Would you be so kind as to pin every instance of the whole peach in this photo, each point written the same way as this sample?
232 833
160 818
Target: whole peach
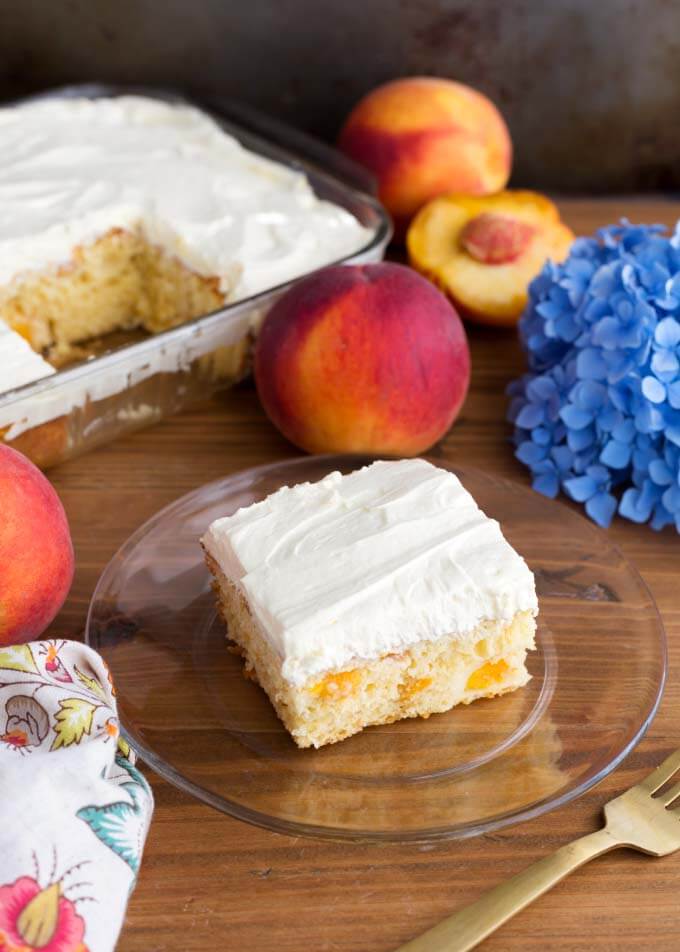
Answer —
36 554
422 137
357 359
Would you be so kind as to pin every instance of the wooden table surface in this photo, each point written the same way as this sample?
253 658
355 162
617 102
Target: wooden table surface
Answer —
212 883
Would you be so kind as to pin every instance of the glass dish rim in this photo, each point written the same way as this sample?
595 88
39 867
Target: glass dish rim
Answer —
296 828
380 237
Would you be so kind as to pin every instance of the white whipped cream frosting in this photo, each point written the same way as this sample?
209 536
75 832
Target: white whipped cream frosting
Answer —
354 567
19 364
71 169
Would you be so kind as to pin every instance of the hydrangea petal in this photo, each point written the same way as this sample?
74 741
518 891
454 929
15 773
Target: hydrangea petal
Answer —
541 388
548 484
606 333
662 517
673 393
529 453
589 395
665 364
607 418
624 431
580 488
578 440
601 508
562 456
616 454
606 279
575 418
530 416
599 474
515 408
630 506
542 436
591 365
660 472
667 333
653 389
548 309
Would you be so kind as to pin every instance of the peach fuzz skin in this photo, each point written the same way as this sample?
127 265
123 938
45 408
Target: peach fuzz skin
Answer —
36 554
422 137
363 359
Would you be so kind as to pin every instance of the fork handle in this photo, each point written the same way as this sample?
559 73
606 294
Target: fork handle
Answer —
465 929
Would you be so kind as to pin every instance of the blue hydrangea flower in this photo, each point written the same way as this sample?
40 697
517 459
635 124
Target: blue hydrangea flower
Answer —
597 415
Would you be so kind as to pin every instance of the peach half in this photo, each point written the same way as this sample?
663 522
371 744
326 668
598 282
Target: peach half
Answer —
363 359
422 137
484 252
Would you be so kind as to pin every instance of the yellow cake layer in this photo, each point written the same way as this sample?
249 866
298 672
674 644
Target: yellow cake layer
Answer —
116 283
428 678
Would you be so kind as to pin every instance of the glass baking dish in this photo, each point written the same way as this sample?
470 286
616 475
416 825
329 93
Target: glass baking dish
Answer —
138 382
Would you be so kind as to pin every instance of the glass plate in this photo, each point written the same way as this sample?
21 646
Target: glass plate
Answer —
184 704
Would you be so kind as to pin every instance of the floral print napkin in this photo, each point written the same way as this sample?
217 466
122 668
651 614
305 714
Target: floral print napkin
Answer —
74 809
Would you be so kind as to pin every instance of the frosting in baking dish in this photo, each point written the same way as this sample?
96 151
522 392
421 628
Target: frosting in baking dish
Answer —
19 363
354 567
72 169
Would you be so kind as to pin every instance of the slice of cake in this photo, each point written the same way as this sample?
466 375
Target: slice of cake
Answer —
371 597
130 212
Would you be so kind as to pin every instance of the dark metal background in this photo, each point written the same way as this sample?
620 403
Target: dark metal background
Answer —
590 88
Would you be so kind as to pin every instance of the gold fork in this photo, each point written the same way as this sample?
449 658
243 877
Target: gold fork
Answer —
636 820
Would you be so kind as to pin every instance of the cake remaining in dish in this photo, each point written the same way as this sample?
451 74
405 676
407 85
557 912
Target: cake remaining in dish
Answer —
130 214
371 597
133 212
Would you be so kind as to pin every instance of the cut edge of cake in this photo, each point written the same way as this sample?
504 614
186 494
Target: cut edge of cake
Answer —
428 678
120 281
